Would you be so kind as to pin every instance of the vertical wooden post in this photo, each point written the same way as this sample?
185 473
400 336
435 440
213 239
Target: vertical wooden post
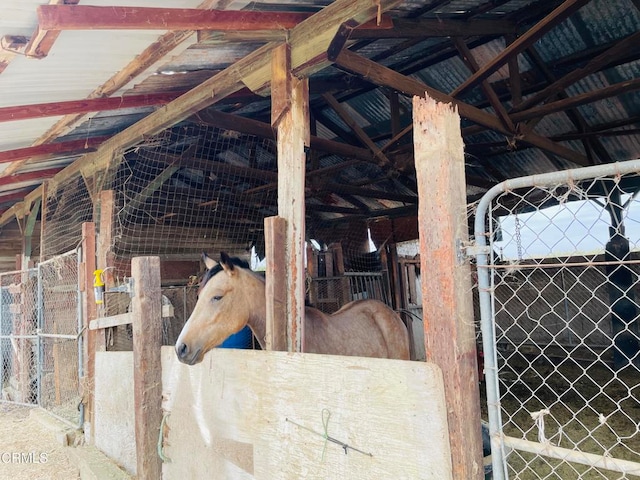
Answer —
104 255
89 312
446 280
275 291
290 115
147 369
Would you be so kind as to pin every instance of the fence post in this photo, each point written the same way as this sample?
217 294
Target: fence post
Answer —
147 374
89 313
446 276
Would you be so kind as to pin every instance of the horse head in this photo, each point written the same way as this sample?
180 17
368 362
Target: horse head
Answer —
221 310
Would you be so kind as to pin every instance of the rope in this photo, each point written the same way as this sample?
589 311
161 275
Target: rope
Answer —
161 454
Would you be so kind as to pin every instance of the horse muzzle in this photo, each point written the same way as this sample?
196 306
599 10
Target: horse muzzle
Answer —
187 355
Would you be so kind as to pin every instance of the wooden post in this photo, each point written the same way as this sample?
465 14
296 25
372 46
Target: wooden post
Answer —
104 255
275 288
290 115
147 369
446 278
89 313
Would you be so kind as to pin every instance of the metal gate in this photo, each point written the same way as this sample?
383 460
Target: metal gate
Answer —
40 337
558 263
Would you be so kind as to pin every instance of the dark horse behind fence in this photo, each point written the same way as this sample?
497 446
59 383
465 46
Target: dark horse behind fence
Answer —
232 296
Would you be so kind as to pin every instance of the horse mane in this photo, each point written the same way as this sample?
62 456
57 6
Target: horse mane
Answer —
209 274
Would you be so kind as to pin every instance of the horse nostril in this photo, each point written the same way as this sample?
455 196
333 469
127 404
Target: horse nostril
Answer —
182 350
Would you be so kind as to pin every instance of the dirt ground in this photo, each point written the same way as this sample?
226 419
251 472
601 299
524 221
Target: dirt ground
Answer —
29 449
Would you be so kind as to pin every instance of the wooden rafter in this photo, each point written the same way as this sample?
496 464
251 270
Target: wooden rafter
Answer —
83 17
40 110
627 86
432 27
381 75
67 149
488 90
360 133
36 175
264 130
556 17
10 46
41 41
620 49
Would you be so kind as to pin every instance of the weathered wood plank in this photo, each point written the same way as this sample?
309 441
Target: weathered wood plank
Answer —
275 283
238 414
446 290
112 321
147 376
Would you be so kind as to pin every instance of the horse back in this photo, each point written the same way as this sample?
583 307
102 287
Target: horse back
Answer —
364 327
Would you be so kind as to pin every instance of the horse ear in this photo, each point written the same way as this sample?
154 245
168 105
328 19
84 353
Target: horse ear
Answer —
226 262
208 261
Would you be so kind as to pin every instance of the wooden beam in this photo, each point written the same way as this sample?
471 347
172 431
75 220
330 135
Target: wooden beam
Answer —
112 321
290 103
621 48
41 41
70 148
146 305
261 129
40 110
556 17
10 46
446 291
36 175
621 88
487 89
435 27
381 75
383 161
81 17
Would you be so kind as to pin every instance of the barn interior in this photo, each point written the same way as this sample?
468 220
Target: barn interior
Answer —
158 122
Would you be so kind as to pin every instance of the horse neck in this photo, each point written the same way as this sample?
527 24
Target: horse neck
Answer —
258 318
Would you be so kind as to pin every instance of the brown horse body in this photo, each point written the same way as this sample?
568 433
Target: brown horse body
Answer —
233 296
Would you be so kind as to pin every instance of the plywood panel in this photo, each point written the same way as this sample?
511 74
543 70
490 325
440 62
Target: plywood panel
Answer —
262 415
114 414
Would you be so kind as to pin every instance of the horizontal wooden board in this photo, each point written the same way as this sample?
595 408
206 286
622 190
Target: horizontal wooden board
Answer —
262 415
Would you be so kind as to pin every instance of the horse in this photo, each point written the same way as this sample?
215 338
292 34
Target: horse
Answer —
232 296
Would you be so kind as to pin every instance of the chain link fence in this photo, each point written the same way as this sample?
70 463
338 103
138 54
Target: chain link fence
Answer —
18 336
40 322
60 324
558 283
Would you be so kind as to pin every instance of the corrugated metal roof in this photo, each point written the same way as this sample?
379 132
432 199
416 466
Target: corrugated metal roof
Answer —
80 62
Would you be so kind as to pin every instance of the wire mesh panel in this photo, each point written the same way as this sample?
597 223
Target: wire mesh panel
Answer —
18 336
193 189
66 207
558 285
59 328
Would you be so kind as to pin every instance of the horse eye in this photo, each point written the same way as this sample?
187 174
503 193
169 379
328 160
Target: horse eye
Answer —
216 298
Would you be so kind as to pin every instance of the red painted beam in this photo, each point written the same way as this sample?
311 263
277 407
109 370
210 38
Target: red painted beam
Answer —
40 110
85 17
29 176
12 197
73 147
